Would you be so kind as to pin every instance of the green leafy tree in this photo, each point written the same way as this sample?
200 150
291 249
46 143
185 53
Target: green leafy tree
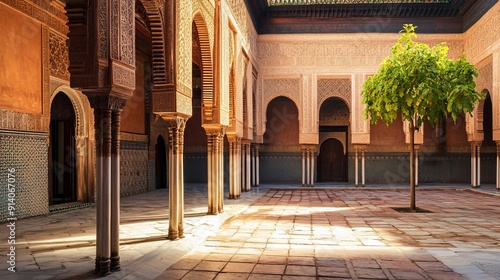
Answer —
420 83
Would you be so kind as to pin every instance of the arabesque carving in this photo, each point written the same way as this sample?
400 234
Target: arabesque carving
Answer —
59 59
340 88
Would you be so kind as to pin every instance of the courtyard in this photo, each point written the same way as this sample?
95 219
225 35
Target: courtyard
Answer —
279 232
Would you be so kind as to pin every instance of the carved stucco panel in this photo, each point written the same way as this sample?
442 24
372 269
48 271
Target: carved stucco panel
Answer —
483 35
274 87
59 59
184 46
340 88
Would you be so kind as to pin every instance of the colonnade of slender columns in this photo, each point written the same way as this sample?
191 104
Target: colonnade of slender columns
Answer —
215 155
235 166
176 126
107 142
255 165
359 150
475 164
308 158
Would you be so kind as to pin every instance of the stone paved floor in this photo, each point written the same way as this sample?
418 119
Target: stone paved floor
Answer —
279 233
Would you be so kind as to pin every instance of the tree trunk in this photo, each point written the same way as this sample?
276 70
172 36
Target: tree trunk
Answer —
413 206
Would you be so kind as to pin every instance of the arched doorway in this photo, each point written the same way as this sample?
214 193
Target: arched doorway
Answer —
161 163
62 152
332 161
334 115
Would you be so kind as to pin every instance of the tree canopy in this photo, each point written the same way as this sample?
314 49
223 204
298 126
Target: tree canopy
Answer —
421 83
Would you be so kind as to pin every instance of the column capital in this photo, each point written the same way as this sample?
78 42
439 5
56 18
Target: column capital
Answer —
106 101
214 129
175 121
233 137
360 147
474 144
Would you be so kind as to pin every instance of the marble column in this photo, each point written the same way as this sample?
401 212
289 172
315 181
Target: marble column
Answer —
248 183
359 152
475 164
308 158
104 221
303 167
363 160
356 167
98 178
215 150
498 165
257 163
115 191
235 169
176 126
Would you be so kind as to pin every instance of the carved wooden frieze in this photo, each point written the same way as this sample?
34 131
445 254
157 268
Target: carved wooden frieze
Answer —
102 50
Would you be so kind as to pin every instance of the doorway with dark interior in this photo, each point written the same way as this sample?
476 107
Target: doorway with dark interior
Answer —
62 151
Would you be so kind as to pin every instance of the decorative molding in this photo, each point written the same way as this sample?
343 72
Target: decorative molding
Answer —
42 11
124 136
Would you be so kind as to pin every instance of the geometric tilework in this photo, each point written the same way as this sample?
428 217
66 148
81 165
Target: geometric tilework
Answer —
280 167
133 167
393 168
28 154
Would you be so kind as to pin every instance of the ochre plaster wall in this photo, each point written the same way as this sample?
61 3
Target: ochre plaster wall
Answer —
20 62
133 115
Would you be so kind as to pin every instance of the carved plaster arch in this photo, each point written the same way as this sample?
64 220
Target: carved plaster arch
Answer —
84 181
156 28
339 87
81 121
474 123
332 98
269 100
206 59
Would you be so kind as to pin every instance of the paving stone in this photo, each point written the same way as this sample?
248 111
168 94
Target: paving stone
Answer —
200 275
300 270
210 266
245 258
365 263
370 273
269 269
238 267
407 274
336 272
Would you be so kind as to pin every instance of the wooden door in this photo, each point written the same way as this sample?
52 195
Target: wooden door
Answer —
331 161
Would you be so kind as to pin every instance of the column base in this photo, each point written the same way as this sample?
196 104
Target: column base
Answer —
115 263
97 267
234 197
221 210
105 267
173 235
475 187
